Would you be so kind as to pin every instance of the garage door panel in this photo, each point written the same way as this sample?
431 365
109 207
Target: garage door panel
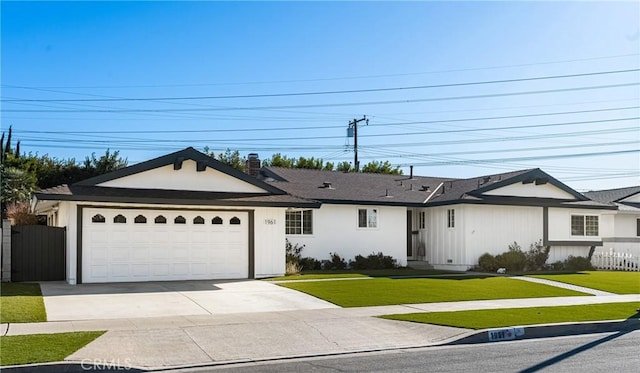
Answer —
160 270
159 254
140 270
119 270
99 271
156 251
140 253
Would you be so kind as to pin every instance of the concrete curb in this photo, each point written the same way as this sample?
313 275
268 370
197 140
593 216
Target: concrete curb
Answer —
552 330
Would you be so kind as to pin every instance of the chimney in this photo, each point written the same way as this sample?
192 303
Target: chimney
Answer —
411 172
252 166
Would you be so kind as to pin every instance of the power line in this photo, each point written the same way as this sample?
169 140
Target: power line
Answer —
493 95
532 158
330 127
338 78
350 91
154 142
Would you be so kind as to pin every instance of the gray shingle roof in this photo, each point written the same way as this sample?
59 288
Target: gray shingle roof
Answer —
363 188
612 195
352 187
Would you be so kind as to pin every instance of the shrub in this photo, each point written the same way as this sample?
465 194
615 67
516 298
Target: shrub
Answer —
293 252
19 214
373 261
536 257
577 263
487 263
309 264
292 268
336 262
513 260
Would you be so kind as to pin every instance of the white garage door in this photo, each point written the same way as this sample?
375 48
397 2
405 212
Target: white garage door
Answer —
122 245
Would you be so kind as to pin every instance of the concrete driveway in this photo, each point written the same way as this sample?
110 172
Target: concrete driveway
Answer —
161 299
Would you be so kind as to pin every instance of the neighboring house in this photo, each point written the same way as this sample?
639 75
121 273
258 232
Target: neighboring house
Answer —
177 217
447 223
623 227
187 216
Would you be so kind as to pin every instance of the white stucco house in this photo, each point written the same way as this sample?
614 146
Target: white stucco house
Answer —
187 216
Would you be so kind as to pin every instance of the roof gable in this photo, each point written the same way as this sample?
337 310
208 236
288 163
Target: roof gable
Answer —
187 169
633 198
531 184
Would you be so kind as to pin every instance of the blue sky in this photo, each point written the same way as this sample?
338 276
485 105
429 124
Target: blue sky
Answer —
172 54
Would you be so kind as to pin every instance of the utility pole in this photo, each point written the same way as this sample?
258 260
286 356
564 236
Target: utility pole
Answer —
353 125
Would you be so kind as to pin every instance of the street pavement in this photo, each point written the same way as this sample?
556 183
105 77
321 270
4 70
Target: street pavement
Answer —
212 338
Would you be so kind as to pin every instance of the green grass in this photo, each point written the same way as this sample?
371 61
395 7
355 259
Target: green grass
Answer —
484 319
613 282
389 291
326 274
42 348
21 303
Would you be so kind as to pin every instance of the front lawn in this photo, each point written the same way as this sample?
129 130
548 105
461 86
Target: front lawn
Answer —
21 303
613 282
347 273
42 348
389 291
484 319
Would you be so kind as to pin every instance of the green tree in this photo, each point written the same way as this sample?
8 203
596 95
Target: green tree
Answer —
106 163
279 160
344 167
385 167
229 157
16 186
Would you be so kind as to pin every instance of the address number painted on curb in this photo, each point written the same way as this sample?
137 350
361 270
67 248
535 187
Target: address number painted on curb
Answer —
504 334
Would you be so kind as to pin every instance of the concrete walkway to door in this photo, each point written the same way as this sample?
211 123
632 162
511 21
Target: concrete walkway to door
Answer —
165 299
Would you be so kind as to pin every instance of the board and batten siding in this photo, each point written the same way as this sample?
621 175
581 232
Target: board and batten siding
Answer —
269 242
491 229
335 230
478 229
444 246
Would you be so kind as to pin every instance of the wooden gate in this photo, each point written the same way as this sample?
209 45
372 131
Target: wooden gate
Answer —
37 253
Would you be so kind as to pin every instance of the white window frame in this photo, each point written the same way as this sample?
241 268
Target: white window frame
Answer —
451 218
305 216
587 229
372 217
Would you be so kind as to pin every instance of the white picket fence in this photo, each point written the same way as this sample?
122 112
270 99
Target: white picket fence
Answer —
614 261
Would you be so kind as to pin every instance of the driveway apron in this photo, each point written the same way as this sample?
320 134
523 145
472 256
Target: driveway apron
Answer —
165 299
